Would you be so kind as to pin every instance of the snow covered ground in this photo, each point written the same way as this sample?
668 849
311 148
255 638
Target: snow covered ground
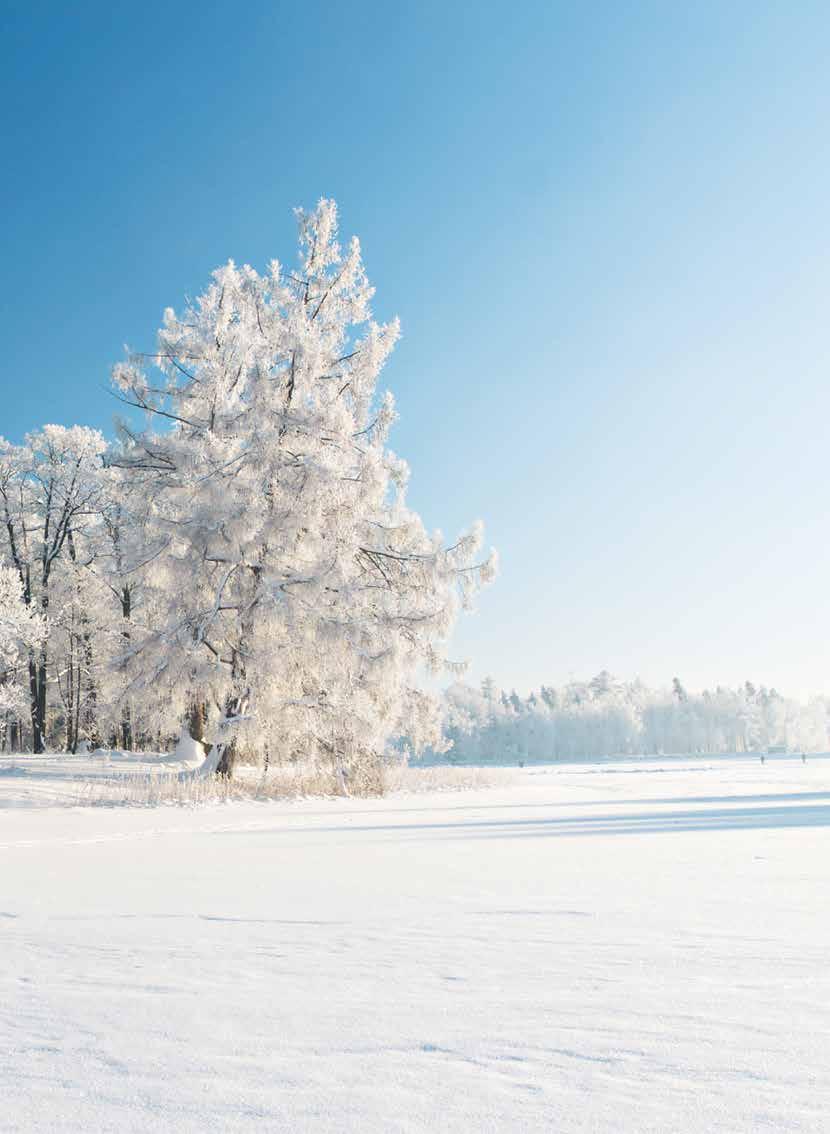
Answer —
631 946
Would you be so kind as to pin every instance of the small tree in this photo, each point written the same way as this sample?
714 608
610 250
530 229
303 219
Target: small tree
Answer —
22 631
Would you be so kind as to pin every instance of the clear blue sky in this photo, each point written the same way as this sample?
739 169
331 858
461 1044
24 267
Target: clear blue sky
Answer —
604 226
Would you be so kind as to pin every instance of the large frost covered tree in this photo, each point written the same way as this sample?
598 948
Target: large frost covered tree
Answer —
292 595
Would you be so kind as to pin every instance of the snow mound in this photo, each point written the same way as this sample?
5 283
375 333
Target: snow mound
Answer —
188 751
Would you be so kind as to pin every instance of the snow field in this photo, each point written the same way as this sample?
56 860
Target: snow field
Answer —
621 947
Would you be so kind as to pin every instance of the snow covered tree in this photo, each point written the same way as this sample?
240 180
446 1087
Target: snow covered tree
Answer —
550 697
297 595
22 631
49 491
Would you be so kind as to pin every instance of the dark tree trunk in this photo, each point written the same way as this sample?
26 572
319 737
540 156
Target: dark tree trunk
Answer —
126 715
37 688
197 720
127 729
234 707
227 761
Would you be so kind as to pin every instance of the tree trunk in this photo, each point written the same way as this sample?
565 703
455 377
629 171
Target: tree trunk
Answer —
91 699
127 729
234 707
126 715
227 760
69 700
197 720
37 689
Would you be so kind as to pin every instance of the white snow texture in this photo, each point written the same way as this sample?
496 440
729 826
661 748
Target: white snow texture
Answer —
620 947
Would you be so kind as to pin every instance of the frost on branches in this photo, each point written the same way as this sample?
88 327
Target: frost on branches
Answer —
51 499
292 596
21 630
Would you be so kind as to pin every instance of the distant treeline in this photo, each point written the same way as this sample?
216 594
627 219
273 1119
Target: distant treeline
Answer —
605 716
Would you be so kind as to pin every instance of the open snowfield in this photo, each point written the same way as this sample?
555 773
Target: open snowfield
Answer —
606 947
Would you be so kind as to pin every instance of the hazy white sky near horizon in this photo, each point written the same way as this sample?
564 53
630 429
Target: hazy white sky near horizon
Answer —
605 231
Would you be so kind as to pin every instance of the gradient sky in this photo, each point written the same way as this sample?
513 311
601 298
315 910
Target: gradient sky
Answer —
605 229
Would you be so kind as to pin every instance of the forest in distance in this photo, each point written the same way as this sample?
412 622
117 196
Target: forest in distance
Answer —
609 717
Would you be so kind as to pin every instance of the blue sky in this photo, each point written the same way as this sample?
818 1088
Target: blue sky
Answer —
605 230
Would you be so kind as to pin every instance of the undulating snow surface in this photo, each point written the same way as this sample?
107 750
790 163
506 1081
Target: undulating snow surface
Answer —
609 947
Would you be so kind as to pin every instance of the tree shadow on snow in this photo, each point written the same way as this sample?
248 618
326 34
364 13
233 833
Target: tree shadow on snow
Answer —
645 822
